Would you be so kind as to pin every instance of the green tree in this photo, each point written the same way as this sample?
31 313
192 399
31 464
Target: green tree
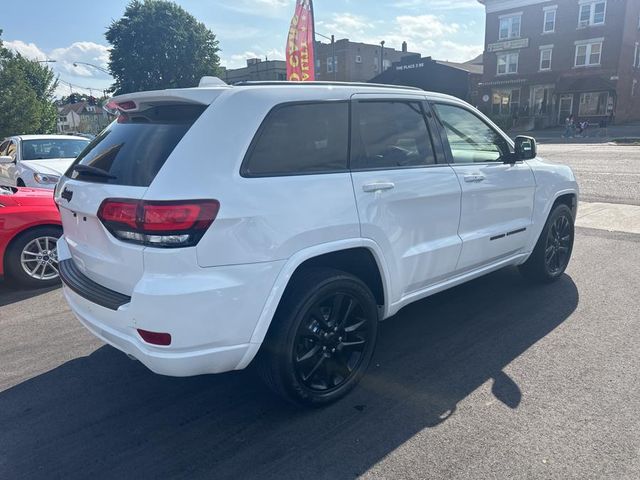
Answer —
26 95
156 45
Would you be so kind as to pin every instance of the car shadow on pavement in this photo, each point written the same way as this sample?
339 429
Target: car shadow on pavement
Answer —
11 294
105 416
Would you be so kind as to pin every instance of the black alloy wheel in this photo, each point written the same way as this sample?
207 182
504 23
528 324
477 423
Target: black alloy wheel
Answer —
558 246
321 339
331 341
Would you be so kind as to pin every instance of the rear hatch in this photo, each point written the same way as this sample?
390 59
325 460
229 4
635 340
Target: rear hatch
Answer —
114 172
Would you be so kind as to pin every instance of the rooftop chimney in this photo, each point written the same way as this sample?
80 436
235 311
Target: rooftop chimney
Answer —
404 47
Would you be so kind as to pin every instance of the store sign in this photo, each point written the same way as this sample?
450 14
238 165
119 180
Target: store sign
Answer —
508 45
410 67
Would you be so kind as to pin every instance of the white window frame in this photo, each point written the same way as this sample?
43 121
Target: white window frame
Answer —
546 11
589 46
546 48
358 59
591 4
508 57
509 18
329 64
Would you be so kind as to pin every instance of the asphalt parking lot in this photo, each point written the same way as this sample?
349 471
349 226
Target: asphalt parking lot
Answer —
493 379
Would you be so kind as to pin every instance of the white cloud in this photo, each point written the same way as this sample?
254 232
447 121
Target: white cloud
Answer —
260 8
346 24
81 76
442 5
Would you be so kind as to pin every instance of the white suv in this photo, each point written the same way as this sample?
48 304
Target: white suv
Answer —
208 226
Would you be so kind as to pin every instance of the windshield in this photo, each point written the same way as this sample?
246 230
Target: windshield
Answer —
52 148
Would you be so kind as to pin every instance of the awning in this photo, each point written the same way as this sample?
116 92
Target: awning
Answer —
584 84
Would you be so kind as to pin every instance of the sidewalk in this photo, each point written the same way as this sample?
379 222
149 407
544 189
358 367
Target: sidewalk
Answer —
592 135
609 216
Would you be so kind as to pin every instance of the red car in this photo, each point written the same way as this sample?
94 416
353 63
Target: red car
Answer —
29 228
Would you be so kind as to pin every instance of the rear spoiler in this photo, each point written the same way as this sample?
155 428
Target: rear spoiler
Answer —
205 93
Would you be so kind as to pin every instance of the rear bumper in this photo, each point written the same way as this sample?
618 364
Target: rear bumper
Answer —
211 314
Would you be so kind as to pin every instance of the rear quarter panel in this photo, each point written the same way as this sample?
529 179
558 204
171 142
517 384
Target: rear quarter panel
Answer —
260 219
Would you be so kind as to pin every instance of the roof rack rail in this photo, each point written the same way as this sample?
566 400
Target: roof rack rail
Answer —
336 84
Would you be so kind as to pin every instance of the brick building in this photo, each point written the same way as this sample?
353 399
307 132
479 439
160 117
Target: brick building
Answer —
256 70
546 59
347 61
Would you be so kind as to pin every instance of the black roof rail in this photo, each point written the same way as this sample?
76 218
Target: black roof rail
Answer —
336 84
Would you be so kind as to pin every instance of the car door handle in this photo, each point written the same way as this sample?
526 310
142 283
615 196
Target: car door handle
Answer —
477 178
375 187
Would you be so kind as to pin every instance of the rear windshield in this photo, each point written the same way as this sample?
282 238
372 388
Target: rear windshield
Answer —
52 148
133 149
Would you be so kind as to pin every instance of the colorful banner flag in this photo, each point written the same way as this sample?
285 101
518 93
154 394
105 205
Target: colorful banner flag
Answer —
300 44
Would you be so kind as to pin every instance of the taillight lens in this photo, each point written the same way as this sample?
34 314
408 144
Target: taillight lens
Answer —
170 224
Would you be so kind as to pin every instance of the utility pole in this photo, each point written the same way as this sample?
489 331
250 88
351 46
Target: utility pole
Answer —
382 56
333 57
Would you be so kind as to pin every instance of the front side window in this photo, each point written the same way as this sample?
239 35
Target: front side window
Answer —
11 150
299 139
593 104
592 13
549 21
545 58
3 147
588 54
510 27
505 101
470 139
390 134
507 63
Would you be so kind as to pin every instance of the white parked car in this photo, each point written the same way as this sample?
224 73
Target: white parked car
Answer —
37 160
211 226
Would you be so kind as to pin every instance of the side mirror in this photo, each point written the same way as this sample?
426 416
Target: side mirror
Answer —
526 148
6 159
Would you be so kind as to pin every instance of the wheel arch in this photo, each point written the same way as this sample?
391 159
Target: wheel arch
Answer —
16 236
345 255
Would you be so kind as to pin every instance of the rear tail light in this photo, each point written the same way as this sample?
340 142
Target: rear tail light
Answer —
158 224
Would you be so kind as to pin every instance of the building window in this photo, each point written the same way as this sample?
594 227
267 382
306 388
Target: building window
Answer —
549 25
588 54
592 13
541 99
634 88
636 56
593 104
505 101
545 57
332 64
318 64
358 59
508 63
510 26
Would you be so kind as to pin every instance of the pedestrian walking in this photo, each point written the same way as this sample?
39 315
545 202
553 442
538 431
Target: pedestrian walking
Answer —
569 127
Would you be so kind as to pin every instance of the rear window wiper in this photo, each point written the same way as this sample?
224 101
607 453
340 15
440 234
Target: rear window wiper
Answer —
92 171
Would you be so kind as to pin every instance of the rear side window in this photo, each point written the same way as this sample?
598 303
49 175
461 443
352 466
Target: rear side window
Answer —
300 139
134 148
390 134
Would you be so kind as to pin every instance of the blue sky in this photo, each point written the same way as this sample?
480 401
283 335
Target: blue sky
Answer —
73 30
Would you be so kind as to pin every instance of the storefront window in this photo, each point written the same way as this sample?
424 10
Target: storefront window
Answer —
593 104
541 99
505 101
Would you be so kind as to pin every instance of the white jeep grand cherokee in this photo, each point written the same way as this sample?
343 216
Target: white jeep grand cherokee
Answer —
208 226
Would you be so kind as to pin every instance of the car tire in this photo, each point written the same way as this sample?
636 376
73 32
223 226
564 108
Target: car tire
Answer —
552 252
34 250
322 338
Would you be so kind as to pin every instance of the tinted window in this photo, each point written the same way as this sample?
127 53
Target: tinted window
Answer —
136 145
471 139
301 139
52 148
390 135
